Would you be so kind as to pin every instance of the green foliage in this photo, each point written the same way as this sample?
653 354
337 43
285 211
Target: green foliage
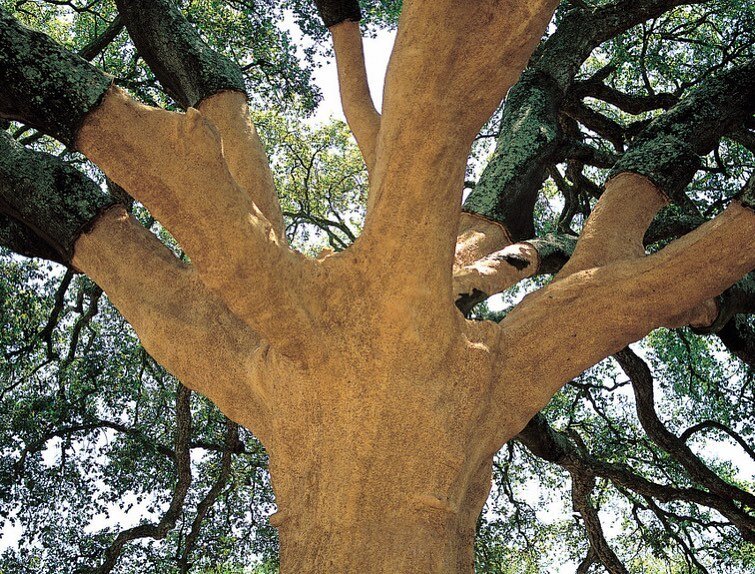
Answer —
320 177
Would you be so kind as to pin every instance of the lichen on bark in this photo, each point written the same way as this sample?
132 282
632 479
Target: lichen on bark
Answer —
667 151
185 65
529 135
50 197
45 85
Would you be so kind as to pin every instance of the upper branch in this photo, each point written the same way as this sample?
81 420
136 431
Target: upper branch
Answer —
186 328
450 67
358 107
198 76
44 85
531 136
185 65
342 19
667 151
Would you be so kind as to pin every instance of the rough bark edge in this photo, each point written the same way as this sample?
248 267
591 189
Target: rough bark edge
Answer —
185 65
51 198
44 85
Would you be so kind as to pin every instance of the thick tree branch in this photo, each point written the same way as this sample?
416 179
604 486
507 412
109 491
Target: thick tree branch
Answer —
667 151
739 337
531 138
739 299
198 76
185 65
666 154
175 316
630 103
244 153
466 56
583 30
616 228
44 85
625 300
47 203
334 12
98 44
477 237
22 240
174 164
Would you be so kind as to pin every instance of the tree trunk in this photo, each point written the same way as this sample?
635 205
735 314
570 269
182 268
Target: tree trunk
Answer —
359 513
381 464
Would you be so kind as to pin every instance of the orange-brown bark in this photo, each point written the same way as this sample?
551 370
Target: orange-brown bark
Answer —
356 101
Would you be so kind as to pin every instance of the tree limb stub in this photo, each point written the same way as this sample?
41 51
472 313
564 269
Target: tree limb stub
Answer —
44 85
505 268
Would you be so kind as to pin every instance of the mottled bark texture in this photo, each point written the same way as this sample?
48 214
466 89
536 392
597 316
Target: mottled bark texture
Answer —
667 152
381 407
47 203
43 84
185 66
